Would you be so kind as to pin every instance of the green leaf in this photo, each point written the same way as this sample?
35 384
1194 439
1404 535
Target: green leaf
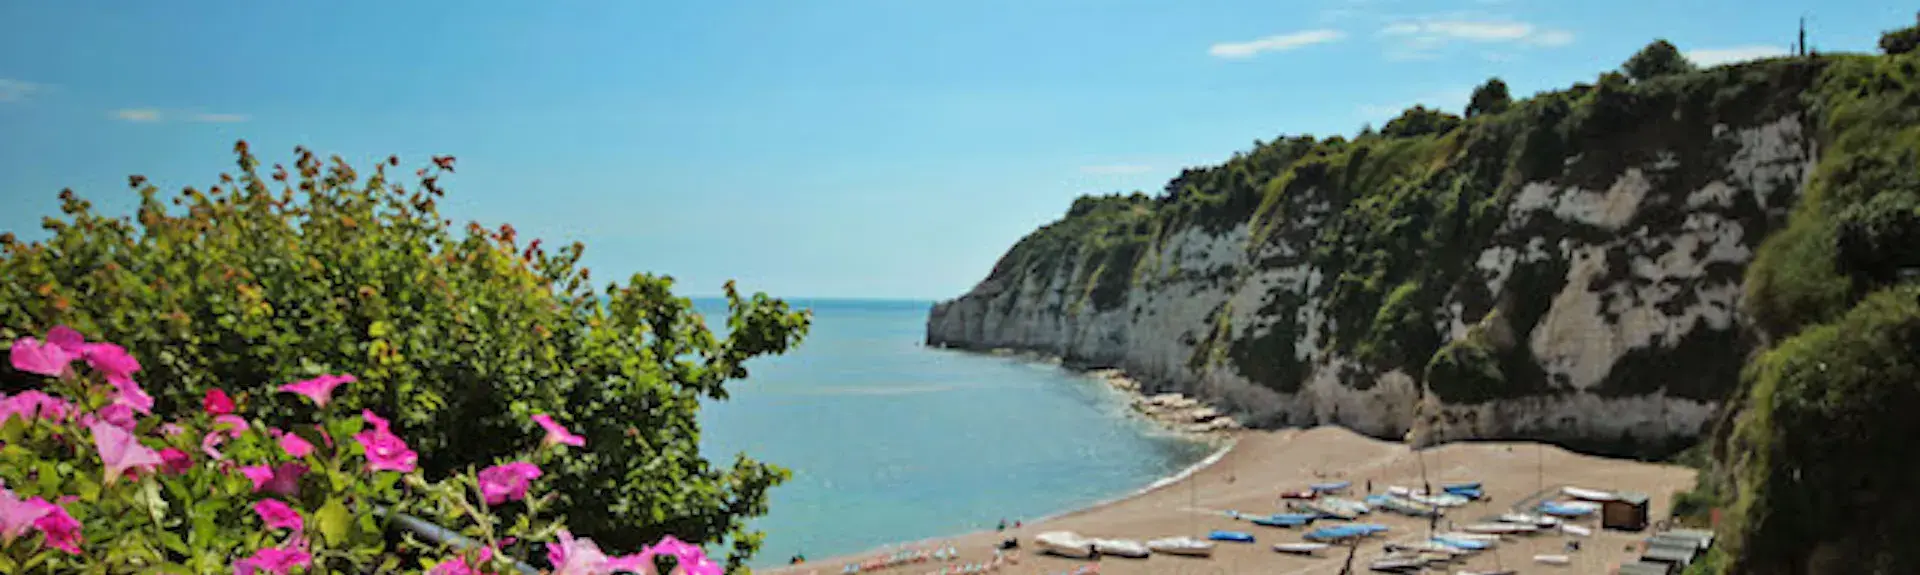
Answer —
335 522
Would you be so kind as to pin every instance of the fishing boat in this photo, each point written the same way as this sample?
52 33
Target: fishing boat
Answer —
1399 564
1120 548
1230 536
1299 548
1575 530
1501 528
1427 547
1530 519
1285 520
1465 485
1342 532
1464 536
1466 544
1333 487
1569 509
1552 559
1318 509
1064 544
1402 506
1346 505
1182 546
1439 499
1586 494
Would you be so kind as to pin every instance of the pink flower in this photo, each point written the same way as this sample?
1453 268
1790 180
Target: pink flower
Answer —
457 565
278 515
283 479
17 515
175 461
121 451
128 393
319 389
110 360
507 482
62 531
211 440
687 557
171 429
294 445
216 402
31 356
374 419
119 415
35 404
232 424
325 438
68 339
556 433
576 556
276 560
386 451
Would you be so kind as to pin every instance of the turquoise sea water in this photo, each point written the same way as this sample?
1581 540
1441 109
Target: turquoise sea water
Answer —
892 441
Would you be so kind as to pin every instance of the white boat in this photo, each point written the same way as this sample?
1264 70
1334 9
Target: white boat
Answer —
1439 500
1120 548
1488 537
1427 547
1575 530
1399 564
1553 559
1064 544
1182 546
1299 548
1399 490
1500 528
1346 505
1587 494
1530 519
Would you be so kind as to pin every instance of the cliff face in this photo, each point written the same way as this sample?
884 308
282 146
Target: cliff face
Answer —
1568 269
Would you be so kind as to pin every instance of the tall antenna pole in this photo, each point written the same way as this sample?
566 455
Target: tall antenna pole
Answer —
1800 48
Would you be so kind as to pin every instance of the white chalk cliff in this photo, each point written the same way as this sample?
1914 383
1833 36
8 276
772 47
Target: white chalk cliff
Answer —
1627 324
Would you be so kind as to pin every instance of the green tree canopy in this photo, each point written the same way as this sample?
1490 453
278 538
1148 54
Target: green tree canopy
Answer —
1903 40
1489 98
1659 58
261 280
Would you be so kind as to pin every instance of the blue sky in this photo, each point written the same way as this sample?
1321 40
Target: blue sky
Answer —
807 148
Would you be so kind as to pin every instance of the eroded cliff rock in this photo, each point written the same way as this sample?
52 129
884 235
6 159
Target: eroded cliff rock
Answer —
1569 269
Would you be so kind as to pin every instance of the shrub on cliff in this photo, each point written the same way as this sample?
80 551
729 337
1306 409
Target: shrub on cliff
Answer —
1901 41
1659 58
1489 98
1825 485
461 337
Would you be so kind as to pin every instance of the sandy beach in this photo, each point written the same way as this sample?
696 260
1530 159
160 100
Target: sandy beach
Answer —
1250 476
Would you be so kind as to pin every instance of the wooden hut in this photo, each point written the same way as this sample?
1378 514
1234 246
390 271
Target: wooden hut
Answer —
1625 512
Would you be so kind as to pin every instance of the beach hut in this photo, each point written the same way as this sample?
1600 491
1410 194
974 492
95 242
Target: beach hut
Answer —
1625 512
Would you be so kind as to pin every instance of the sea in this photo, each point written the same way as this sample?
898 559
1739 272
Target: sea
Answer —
892 441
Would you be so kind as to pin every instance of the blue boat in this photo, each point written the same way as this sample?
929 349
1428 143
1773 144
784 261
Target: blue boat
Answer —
1474 485
1285 520
1344 532
1331 487
1233 536
1558 510
1466 544
1467 492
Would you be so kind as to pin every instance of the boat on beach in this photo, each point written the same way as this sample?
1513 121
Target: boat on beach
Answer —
1299 548
1285 520
1064 544
1501 528
1120 548
1530 519
1182 546
1586 494
1230 536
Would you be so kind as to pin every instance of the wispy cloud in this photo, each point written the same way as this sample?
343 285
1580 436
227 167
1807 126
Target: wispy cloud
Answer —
1276 43
12 90
1451 100
1717 56
1115 169
1421 38
142 115
220 118
154 115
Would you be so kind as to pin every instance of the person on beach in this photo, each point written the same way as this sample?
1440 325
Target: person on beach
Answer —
1003 525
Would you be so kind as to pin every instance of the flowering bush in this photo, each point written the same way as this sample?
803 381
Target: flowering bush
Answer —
93 480
457 337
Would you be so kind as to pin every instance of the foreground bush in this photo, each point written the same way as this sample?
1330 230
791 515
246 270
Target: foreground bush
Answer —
92 481
459 338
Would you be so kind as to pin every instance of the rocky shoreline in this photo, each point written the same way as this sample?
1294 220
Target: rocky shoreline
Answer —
1173 412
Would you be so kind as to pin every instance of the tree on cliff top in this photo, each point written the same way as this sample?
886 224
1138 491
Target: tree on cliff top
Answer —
1903 40
460 337
1489 98
1659 58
